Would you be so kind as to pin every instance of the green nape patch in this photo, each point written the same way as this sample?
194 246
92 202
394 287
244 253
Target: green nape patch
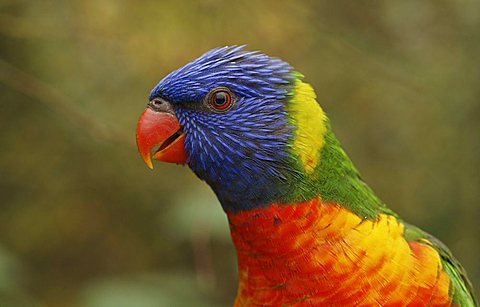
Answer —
339 181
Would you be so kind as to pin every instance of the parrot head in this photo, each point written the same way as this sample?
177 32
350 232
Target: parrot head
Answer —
244 122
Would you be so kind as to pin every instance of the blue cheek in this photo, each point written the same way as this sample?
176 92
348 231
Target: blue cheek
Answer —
242 155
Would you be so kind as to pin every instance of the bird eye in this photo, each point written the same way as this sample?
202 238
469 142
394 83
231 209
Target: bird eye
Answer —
220 99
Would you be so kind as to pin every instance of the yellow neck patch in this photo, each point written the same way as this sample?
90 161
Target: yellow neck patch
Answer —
309 119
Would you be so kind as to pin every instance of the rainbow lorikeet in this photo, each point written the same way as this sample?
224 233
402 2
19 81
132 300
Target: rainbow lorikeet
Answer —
308 231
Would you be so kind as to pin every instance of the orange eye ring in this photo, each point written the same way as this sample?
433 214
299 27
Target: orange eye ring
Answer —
221 99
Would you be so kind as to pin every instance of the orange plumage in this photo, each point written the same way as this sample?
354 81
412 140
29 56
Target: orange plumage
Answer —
321 254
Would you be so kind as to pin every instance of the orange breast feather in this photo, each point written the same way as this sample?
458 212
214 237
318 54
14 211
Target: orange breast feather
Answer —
320 254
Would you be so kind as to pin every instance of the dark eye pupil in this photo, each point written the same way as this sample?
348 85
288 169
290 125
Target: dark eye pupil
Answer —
220 99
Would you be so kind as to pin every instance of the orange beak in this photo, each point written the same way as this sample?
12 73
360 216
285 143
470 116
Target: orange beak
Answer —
160 129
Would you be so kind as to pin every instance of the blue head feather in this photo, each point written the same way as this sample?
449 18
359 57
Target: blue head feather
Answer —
242 154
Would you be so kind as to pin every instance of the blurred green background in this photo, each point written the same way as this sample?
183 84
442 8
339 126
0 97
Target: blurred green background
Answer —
83 222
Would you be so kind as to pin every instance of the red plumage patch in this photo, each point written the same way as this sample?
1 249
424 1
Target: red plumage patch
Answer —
320 254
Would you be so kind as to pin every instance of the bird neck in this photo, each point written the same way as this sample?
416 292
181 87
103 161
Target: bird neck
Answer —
323 168
336 180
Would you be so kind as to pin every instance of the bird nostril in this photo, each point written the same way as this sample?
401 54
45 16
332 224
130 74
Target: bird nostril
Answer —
160 105
156 103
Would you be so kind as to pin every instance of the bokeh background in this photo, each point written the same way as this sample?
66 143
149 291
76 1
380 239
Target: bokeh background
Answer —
83 222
